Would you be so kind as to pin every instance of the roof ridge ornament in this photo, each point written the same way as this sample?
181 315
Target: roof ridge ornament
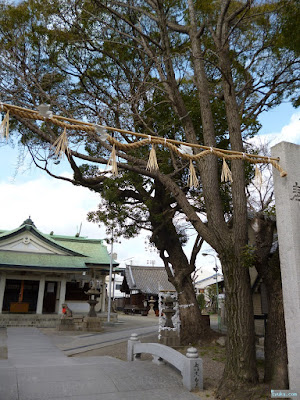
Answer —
28 221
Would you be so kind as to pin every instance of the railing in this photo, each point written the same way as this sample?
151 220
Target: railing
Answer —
189 365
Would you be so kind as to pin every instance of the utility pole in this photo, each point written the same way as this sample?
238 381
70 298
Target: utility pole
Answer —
110 276
217 286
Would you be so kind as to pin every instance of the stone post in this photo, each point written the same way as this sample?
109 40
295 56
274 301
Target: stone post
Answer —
40 300
287 200
134 339
192 374
2 289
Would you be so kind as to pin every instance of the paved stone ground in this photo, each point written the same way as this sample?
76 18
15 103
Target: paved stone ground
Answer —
73 343
3 348
37 370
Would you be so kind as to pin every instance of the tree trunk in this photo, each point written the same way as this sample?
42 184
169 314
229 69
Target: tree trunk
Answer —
240 367
268 268
166 239
193 326
276 362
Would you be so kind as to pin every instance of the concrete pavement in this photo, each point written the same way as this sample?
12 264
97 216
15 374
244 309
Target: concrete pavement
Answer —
111 334
37 370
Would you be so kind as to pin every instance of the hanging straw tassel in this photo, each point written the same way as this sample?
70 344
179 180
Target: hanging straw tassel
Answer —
258 177
152 162
193 180
4 126
112 161
226 173
61 145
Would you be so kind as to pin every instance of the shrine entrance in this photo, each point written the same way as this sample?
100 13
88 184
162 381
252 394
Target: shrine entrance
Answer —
20 296
49 303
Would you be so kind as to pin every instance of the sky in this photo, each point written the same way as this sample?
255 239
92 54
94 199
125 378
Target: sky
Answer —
61 207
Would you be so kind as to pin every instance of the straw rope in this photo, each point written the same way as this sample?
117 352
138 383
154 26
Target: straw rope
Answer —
171 144
226 173
152 161
61 145
192 179
258 177
4 126
113 162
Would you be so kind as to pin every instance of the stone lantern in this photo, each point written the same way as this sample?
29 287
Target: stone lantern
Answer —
93 293
169 311
168 333
151 305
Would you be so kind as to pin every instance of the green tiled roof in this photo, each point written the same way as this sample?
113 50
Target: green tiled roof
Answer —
94 248
40 261
80 252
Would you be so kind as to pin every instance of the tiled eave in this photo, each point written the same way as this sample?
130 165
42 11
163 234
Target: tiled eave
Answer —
41 269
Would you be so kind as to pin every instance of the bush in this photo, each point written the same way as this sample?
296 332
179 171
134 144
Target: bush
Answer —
201 301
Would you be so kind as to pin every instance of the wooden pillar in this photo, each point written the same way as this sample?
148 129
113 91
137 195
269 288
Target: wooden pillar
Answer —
21 294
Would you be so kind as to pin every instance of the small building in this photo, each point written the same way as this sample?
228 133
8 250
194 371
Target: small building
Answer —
40 272
117 295
141 283
203 285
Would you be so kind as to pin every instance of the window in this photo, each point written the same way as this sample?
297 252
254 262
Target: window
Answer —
75 292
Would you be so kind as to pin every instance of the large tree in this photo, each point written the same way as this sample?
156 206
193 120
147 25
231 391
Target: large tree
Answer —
264 256
197 72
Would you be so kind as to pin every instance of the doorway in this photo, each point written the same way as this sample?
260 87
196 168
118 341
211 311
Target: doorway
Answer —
21 292
49 297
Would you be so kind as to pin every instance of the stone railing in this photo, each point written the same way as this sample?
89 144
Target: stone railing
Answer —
189 365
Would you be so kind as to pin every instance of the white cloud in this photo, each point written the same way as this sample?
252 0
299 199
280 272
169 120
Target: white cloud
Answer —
52 205
288 133
59 206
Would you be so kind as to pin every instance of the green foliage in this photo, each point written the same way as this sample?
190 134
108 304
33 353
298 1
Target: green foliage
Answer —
117 207
290 30
248 256
201 301
211 291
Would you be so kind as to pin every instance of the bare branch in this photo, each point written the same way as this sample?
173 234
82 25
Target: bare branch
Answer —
196 248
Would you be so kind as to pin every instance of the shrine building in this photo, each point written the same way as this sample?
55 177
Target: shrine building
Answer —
40 272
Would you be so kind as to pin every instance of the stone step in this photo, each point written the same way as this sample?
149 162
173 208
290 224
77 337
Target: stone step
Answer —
43 320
